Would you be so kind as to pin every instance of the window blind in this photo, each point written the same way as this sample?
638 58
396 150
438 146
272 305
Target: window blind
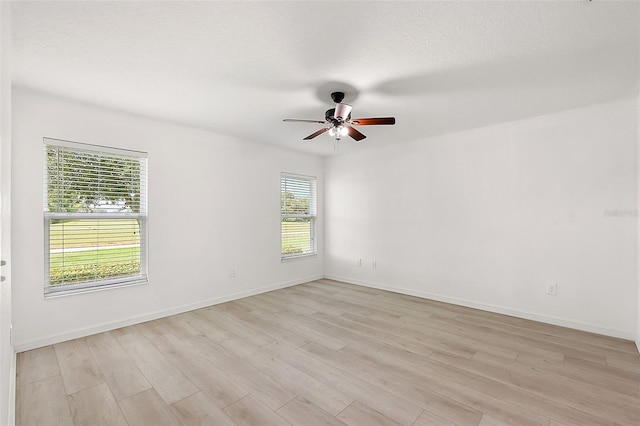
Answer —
298 215
95 211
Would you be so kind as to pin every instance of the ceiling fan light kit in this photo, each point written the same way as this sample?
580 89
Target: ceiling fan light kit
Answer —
341 124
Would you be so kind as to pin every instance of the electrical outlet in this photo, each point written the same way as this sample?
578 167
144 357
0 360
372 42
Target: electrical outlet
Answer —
552 289
233 273
374 264
359 263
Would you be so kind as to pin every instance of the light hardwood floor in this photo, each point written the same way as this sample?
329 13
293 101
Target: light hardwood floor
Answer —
329 353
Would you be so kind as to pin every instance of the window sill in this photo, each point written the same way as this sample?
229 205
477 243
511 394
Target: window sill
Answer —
297 258
75 291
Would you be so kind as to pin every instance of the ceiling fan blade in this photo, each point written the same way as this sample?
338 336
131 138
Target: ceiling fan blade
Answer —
355 134
373 121
300 120
318 133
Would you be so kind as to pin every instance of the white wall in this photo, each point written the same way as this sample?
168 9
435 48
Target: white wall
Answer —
214 205
7 354
490 217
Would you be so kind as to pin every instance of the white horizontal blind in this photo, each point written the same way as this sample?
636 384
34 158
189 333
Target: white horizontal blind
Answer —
95 216
298 215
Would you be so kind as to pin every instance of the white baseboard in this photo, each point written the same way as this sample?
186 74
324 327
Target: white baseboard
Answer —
11 415
100 328
563 322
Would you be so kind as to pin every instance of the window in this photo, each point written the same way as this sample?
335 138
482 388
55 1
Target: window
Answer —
298 215
95 214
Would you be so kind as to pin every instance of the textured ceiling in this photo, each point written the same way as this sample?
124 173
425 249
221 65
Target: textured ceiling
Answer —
239 68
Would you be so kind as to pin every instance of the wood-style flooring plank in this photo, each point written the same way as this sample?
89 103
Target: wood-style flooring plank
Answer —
357 414
632 366
300 327
175 326
220 389
120 373
77 365
37 364
394 407
591 377
424 333
300 411
346 306
430 419
258 383
198 409
234 325
273 330
240 347
492 421
276 299
601 404
316 391
467 396
486 384
609 370
215 332
147 408
417 394
425 346
167 380
44 402
96 406
251 304
250 412
297 299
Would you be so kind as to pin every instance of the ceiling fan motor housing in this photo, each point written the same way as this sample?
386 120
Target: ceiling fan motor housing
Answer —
338 115
342 111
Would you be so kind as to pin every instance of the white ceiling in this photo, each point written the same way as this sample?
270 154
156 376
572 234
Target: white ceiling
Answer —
239 68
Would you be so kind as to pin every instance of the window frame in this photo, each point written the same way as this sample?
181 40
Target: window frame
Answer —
313 216
142 217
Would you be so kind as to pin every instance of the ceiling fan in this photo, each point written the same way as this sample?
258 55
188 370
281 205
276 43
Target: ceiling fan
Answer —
339 123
